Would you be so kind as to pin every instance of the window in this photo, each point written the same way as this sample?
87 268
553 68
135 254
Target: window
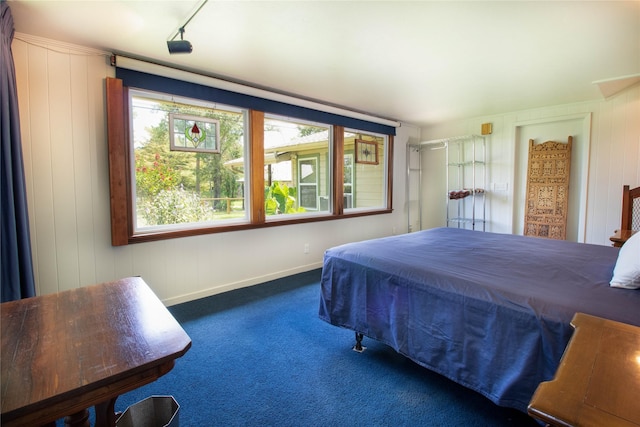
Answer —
180 148
365 174
297 170
308 175
188 165
347 184
193 133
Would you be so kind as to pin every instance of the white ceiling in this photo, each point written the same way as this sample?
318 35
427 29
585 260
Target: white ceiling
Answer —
420 62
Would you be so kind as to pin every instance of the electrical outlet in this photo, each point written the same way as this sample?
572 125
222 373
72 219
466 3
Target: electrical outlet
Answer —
306 248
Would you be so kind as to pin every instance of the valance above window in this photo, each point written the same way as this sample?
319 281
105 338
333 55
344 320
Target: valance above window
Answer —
147 81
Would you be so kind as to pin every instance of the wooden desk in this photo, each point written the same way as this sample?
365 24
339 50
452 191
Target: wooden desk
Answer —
620 237
65 352
598 380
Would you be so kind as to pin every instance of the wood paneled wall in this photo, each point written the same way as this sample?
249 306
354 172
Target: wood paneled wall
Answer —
61 99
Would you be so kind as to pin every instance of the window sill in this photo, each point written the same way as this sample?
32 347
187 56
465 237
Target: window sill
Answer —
157 236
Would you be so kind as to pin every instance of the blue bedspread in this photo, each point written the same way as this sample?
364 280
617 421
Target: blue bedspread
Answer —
489 311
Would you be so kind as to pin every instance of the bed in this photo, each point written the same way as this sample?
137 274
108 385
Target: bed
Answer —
489 311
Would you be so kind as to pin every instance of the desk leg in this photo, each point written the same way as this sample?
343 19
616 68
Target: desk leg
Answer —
79 419
105 415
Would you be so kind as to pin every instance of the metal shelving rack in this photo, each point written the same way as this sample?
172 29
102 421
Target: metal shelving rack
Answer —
466 176
414 182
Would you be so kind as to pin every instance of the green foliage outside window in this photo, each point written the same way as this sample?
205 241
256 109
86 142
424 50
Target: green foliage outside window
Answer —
174 206
175 187
279 198
153 178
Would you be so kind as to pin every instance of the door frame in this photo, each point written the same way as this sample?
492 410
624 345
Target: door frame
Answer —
579 162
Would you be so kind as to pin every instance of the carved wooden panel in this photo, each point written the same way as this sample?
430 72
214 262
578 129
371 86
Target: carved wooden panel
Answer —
547 196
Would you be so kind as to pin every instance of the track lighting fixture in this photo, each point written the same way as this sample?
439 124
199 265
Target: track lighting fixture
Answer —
183 46
179 46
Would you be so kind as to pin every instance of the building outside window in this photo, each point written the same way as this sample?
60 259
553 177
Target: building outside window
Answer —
297 167
365 170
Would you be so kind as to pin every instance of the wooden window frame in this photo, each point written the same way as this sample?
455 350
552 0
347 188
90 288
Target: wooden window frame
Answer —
122 231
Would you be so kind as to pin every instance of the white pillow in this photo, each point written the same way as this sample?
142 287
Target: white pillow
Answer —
626 273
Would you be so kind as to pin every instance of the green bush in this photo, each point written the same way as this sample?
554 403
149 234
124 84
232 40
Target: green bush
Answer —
174 206
154 177
279 198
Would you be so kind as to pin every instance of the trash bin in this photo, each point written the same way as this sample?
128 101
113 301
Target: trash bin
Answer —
154 411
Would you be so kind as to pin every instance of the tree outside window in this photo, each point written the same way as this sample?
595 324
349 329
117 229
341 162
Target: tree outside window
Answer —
176 186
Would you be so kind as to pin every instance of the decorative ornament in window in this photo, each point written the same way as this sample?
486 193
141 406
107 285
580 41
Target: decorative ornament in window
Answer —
194 133
366 152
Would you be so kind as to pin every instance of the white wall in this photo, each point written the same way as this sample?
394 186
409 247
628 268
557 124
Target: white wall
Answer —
62 113
607 156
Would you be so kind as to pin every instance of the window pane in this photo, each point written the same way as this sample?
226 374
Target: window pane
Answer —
347 186
308 183
364 170
188 163
297 167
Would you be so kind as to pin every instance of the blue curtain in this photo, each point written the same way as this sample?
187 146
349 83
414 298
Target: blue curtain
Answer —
16 264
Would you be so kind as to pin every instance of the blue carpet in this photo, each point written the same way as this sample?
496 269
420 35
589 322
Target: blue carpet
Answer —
262 357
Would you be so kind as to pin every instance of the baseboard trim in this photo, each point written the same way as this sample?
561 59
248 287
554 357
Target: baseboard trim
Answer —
240 284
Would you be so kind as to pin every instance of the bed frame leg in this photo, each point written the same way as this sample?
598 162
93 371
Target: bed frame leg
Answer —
359 347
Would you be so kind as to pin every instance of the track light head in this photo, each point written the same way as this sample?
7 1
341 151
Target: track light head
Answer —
179 46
